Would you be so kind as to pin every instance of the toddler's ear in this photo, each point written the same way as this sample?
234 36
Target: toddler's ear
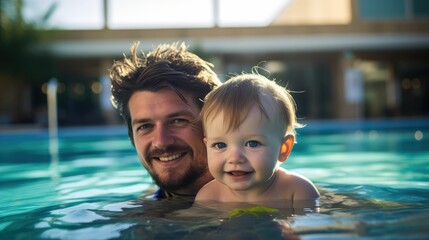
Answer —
286 147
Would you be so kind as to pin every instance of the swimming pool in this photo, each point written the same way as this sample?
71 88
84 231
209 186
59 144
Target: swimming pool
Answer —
373 178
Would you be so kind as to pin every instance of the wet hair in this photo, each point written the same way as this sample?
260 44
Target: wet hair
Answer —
169 66
237 96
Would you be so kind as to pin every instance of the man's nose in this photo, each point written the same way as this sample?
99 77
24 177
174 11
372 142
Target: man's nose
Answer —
162 137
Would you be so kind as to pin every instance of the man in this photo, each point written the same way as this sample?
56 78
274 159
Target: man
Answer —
160 97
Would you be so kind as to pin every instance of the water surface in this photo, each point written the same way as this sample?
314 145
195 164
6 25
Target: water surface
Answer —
373 181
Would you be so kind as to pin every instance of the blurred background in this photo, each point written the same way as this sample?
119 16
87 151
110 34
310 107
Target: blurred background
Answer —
344 59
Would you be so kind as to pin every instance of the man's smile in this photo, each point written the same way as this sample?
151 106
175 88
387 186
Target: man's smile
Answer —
171 157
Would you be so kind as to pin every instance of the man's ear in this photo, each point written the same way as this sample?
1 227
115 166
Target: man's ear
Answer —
286 147
205 141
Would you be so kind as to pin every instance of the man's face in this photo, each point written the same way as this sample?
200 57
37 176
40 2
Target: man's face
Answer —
169 140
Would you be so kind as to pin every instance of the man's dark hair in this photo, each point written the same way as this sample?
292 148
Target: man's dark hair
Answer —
167 66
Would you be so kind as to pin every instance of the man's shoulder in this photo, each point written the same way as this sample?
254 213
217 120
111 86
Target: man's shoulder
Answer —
163 194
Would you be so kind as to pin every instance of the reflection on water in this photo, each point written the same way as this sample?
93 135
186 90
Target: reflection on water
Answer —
341 216
374 184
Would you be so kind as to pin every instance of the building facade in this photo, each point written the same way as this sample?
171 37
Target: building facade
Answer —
342 59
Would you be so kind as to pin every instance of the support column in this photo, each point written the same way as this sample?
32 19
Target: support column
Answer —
350 89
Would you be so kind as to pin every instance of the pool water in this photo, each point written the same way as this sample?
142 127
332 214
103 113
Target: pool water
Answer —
373 178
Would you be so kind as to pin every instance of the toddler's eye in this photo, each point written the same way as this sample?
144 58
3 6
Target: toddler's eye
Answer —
219 145
252 144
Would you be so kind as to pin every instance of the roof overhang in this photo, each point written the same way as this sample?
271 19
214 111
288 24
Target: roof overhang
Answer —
246 44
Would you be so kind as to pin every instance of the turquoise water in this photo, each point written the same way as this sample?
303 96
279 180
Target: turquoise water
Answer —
373 178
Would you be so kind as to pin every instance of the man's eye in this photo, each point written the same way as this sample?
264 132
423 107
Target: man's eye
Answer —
253 144
144 127
179 121
219 145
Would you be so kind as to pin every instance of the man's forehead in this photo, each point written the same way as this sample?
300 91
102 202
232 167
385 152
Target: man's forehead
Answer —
163 103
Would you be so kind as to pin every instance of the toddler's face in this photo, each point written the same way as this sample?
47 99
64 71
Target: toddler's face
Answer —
244 158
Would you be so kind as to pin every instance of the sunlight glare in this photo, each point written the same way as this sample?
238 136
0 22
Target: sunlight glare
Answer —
249 13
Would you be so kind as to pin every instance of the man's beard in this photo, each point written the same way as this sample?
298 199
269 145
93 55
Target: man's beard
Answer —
173 182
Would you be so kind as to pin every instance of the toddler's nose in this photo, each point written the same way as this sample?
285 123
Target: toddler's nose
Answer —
236 156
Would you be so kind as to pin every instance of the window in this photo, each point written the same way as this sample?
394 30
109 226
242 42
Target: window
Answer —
67 14
393 9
